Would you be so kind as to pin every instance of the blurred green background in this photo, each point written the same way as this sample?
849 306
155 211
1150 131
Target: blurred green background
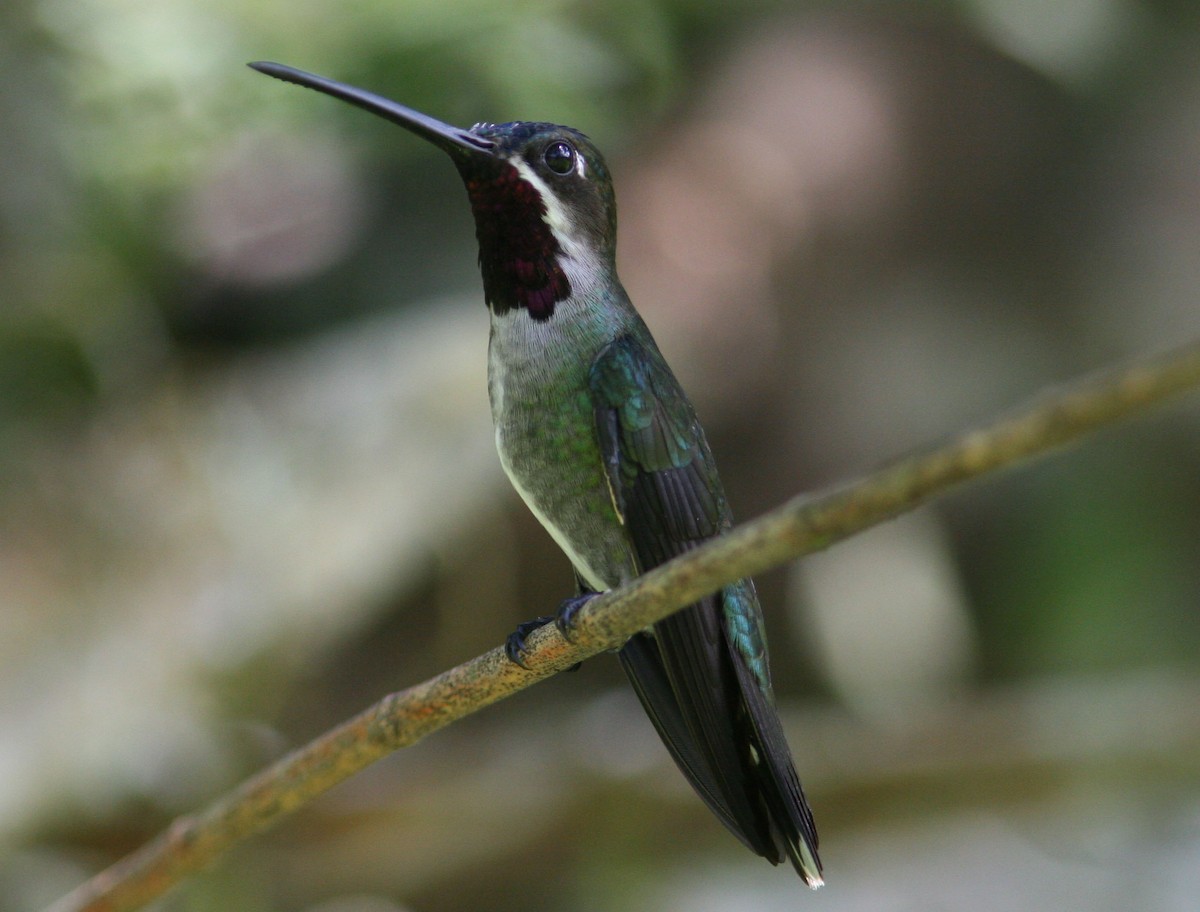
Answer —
247 481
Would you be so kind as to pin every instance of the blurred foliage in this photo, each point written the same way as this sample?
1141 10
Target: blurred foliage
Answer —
248 479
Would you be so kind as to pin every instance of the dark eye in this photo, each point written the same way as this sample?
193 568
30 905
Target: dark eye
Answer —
559 157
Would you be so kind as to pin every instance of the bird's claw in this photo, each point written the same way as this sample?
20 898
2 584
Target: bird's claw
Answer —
514 646
564 619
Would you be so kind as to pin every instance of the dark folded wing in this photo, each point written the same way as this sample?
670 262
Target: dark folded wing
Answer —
709 700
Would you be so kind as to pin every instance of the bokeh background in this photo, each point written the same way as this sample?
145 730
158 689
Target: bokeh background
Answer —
247 482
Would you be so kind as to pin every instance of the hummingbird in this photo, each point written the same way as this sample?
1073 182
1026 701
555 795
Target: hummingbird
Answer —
603 445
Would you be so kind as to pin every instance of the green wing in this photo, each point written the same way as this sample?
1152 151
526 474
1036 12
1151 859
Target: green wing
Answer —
702 675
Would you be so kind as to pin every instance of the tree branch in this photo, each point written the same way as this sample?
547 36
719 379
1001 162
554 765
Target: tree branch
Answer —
801 526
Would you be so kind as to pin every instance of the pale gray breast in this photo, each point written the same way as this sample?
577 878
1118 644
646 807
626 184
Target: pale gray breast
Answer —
545 435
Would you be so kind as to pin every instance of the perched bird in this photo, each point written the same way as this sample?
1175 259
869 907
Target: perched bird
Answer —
603 445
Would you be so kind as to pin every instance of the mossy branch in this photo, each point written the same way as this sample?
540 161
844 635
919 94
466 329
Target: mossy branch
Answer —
801 526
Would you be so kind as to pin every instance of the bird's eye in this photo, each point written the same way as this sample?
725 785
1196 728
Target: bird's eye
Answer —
559 157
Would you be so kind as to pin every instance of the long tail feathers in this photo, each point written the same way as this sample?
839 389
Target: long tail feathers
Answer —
723 732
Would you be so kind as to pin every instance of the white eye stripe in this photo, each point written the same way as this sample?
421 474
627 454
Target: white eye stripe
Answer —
556 215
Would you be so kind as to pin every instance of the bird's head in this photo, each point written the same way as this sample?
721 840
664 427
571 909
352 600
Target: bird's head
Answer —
545 214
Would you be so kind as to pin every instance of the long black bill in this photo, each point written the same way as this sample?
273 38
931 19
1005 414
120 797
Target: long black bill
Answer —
444 136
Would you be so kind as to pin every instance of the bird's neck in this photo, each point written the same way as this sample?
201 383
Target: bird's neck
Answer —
530 253
582 324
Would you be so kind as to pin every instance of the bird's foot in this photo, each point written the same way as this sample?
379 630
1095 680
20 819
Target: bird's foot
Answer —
564 619
514 646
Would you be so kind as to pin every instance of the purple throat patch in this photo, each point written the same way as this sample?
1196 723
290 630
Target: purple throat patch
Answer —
518 253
